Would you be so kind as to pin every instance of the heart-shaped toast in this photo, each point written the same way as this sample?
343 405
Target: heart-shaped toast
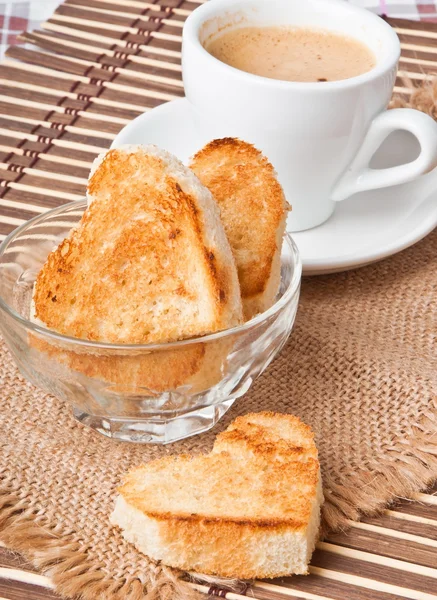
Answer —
149 261
253 210
250 508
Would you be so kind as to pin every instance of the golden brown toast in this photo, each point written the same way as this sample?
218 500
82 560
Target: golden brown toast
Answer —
253 211
265 434
148 262
241 512
143 373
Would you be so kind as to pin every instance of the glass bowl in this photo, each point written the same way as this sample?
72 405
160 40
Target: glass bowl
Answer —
155 393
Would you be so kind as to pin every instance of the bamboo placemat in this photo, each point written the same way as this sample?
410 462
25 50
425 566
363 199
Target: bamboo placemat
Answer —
391 557
94 66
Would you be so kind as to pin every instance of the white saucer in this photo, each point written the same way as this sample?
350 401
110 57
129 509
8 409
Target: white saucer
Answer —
364 229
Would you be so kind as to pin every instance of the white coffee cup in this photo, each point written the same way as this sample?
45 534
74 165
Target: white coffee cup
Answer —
320 137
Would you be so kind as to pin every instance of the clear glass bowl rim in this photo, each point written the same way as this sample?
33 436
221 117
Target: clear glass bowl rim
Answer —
289 292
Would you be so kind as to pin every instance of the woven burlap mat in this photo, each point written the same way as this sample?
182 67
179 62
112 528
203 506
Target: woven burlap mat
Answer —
360 368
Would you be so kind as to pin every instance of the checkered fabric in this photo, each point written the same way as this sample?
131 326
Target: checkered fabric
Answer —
18 15
423 10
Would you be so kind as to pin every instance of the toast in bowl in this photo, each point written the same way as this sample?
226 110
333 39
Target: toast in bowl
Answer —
149 261
253 210
236 512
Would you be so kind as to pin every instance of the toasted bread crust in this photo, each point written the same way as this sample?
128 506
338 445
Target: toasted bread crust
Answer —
242 512
253 210
218 548
255 433
143 265
220 468
158 371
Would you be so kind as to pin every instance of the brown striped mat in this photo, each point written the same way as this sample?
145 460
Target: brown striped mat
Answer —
385 558
94 66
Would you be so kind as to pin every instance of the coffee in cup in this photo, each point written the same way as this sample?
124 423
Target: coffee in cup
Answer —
292 54
319 136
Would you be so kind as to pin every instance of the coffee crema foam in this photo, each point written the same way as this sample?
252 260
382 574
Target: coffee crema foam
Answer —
292 54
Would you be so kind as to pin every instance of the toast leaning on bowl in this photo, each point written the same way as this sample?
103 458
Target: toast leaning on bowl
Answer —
253 211
250 508
149 261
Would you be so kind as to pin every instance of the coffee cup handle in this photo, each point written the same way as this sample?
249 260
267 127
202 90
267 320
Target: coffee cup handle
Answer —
360 177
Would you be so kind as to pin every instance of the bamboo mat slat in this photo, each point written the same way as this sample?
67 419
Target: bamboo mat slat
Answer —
376 563
93 67
89 70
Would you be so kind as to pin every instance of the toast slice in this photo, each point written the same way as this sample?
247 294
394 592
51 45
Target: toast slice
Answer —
253 211
241 512
283 437
149 261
